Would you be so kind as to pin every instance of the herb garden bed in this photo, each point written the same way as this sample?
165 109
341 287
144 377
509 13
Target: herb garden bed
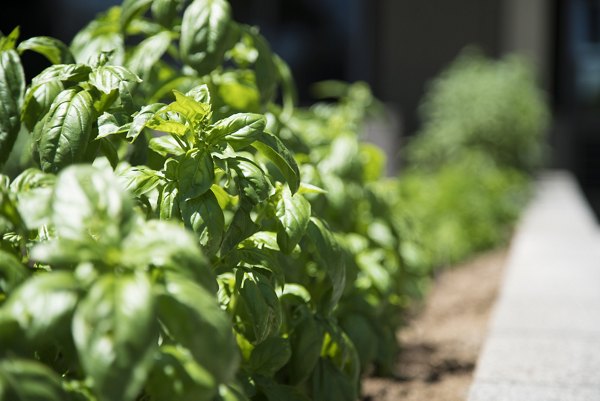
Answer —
174 227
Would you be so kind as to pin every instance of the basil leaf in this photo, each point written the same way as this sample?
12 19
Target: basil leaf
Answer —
165 11
12 90
38 100
266 70
141 118
88 204
12 272
239 130
148 53
258 307
240 228
293 213
116 334
328 254
196 173
64 73
26 380
168 202
66 130
168 246
282 158
165 146
140 180
9 42
204 34
101 35
194 319
270 356
53 49
43 306
204 216
130 9
111 77
252 180
176 375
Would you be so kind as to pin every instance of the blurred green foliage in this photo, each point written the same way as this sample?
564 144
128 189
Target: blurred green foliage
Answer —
494 107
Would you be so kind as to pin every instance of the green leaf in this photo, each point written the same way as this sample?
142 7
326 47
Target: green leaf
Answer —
116 335
270 356
293 213
101 35
239 130
252 180
176 375
34 191
193 111
168 246
12 90
53 49
204 34
331 384
43 306
131 9
9 210
200 94
204 216
168 202
276 392
289 94
165 11
89 204
280 156
240 228
196 173
66 131
193 319
329 256
258 307
169 122
112 77
146 54
64 73
34 206
12 272
9 42
141 118
237 89
166 146
109 151
306 341
108 125
38 100
140 180
27 380
266 70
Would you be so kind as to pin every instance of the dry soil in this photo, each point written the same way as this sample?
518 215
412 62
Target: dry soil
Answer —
441 343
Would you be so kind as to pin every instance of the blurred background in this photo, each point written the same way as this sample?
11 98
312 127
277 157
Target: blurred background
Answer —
398 46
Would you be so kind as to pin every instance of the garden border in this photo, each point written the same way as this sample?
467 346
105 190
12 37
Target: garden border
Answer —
543 342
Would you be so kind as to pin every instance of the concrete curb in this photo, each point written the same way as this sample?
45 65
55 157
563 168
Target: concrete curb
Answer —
543 342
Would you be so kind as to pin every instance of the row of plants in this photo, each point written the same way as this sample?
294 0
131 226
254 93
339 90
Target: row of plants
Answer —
470 166
174 227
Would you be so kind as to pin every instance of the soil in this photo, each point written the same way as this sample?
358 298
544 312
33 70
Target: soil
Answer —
441 342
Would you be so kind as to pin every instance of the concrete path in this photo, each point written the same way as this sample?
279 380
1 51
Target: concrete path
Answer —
544 338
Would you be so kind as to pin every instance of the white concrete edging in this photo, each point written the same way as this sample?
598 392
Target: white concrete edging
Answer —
543 342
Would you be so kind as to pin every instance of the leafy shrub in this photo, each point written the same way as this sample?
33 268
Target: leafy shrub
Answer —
464 207
172 227
479 104
155 162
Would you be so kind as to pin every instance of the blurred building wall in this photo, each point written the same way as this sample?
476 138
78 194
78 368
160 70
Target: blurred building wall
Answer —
418 39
